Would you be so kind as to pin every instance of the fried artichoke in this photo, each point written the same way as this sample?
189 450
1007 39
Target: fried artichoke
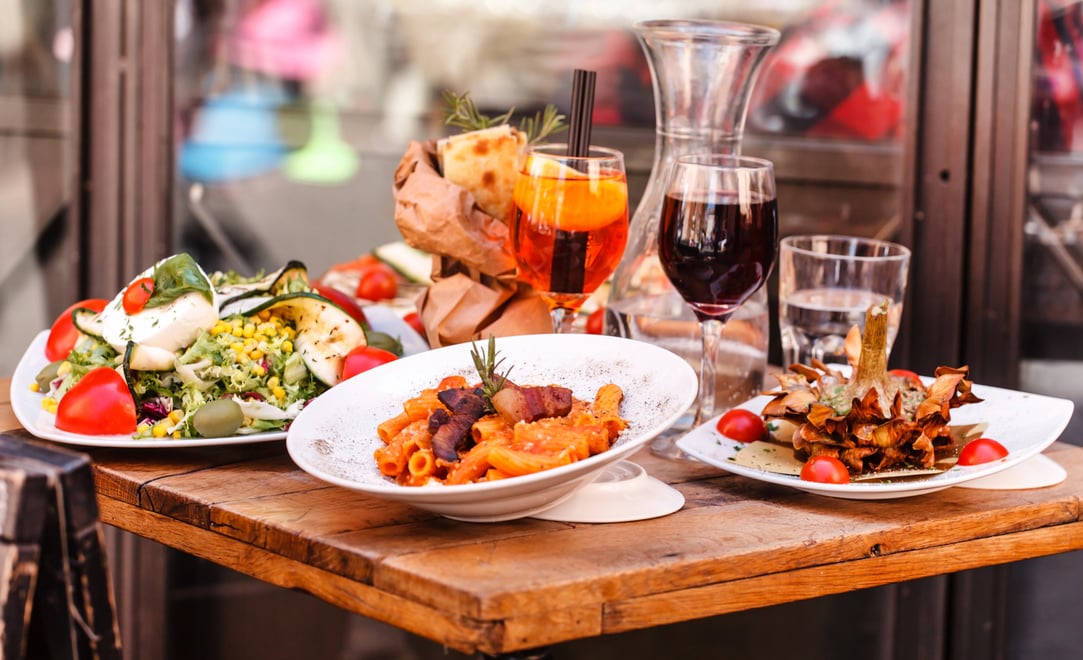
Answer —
872 421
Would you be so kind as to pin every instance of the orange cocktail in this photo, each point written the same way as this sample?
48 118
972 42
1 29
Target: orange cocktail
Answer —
570 224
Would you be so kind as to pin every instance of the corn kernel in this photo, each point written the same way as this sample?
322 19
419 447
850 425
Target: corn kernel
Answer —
278 392
237 328
268 329
176 416
142 428
237 347
273 382
176 435
258 369
249 329
263 314
159 430
64 368
287 346
34 387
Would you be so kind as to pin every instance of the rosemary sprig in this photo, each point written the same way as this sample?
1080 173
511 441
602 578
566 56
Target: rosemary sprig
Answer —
543 124
486 365
463 112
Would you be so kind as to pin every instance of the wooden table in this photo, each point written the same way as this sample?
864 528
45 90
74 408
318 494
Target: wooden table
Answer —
495 588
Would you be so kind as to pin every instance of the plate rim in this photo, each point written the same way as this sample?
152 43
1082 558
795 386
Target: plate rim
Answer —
876 490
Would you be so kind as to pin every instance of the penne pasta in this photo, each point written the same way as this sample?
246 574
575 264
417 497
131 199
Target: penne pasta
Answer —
495 449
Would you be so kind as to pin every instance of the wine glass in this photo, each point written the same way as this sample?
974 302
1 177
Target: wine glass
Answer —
570 224
717 243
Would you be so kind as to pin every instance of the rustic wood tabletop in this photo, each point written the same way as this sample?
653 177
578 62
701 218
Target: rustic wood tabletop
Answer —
737 544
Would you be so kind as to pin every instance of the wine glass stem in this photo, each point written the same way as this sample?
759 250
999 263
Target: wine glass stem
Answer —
563 320
711 330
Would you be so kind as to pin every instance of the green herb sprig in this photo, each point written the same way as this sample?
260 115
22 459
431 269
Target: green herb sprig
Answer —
462 112
486 364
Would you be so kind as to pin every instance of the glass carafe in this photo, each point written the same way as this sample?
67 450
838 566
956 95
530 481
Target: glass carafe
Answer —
703 72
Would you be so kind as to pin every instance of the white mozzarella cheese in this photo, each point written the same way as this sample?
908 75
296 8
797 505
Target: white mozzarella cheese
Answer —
170 327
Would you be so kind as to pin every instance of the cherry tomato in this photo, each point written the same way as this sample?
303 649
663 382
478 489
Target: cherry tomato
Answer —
596 321
63 333
742 425
342 300
99 404
137 294
982 450
364 358
413 319
377 282
825 470
907 374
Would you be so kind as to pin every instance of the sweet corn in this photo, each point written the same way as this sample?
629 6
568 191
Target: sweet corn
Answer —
278 392
34 387
255 354
220 327
176 416
160 430
237 347
268 329
64 368
249 329
263 314
273 382
258 369
48 404
287 346
176 435
241 357
142 428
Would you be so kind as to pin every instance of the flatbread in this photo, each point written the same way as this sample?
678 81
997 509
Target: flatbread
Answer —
484 162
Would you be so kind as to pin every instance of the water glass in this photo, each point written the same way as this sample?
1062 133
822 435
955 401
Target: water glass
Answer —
826 283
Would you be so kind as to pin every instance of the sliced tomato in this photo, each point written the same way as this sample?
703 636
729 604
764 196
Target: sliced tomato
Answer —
825 470
596 321
982 450
908 375
63 334
99 404
413 319
377 282
364 358
137 294
343 300
742 425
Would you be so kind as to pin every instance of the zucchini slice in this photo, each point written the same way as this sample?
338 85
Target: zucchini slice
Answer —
88 322
290 278
325 331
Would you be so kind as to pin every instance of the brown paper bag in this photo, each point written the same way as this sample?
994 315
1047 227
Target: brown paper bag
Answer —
475 293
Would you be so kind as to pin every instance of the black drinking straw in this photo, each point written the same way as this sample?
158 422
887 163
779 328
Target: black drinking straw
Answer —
570 247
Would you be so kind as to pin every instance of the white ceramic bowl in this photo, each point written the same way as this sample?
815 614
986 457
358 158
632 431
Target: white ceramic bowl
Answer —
334 438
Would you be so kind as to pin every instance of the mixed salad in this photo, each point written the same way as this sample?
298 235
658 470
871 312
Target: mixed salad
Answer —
183 354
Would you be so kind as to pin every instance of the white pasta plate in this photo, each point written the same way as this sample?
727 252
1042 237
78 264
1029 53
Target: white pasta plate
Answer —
27 404
334 438
1024 423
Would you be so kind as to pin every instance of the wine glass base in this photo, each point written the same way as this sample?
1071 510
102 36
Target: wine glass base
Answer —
665 445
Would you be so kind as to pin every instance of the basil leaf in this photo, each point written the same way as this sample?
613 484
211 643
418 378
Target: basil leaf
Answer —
175 277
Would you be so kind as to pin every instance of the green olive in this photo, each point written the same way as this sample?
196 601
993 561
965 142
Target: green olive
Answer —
47 375
218 418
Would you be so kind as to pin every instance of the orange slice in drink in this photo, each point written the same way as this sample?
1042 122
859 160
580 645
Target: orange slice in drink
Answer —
553 194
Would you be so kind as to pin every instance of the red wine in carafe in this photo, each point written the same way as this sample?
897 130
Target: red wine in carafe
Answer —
716 250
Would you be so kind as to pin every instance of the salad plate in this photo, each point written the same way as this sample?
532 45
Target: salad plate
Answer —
335 436
27 404
1024 423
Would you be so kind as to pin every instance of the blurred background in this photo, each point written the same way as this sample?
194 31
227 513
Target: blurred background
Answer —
251 132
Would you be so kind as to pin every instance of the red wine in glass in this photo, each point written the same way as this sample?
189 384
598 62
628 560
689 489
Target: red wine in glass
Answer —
717 241
716 249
